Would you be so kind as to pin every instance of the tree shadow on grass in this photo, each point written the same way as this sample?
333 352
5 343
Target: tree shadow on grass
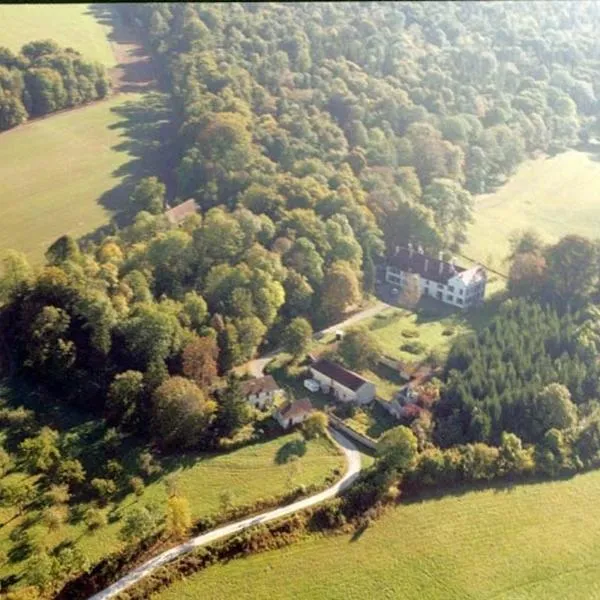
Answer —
147 132
289 451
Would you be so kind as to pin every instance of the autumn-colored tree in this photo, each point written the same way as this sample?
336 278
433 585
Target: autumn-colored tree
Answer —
180 413
526 276
341 290
178 518
200 360
411 290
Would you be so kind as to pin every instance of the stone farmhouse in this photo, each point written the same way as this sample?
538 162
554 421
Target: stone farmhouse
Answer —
260 392
439 279
292 413
345 385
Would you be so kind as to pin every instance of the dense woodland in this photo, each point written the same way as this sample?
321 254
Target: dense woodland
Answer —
44 78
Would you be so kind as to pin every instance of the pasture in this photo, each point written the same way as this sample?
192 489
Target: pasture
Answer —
65 174
70 25
528 542
247 474
554 195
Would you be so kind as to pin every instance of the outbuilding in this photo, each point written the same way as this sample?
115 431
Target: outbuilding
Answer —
345 385
293 413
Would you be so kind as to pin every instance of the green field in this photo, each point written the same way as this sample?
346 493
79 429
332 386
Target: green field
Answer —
54 171
528 542
250 473
70 25
555 196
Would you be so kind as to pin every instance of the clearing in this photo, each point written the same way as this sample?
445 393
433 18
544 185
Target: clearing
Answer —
555 196
70 25
509 543
69 173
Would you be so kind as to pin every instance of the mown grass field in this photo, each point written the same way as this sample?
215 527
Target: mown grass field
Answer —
248 474
54 171
555 196
70 25
530 542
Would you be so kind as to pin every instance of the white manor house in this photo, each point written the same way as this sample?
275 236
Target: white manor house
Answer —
440 279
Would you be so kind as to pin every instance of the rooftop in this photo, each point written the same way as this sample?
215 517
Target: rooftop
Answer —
178 213
295 409
347 378
261 384
434 269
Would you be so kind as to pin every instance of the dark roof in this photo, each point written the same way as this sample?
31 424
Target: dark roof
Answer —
256 386
294 409
348 379
424 265
178 213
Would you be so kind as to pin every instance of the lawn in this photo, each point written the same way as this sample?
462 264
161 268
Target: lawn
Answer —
60 175
523 543
555 196
70 25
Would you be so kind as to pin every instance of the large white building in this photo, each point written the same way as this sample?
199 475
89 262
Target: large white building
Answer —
439 279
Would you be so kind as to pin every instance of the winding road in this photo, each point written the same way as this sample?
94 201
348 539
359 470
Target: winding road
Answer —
353 462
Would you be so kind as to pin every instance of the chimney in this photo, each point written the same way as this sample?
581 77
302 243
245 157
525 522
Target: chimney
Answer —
452 265
420 249
426 264
441 259
397 250
410 249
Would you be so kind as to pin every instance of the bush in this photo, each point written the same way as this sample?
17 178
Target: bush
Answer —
410 333
448 331
94 519
413 347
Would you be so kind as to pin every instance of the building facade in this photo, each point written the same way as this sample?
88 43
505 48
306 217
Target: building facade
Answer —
294 413
261 392
439 279
345 385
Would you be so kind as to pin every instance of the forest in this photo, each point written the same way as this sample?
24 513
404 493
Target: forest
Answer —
44 78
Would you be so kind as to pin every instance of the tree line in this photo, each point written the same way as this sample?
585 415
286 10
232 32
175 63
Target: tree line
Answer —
43 78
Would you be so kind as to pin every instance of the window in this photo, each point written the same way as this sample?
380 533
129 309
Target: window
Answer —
451 288
440 286
450 298
461 292
439 295
459 300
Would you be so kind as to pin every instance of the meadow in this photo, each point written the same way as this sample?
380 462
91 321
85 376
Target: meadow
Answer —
70 25
554 195
248 474
56 174
525 542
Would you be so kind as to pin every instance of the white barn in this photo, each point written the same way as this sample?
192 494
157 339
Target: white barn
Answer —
346 385
439 279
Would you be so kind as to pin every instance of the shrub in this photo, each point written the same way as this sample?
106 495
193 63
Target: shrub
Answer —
137 486
94 519
413 347
448 331
104 488
410 333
